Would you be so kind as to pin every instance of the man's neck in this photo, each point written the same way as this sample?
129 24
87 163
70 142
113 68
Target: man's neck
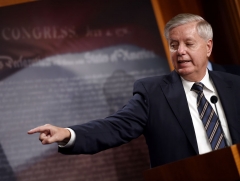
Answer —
195 78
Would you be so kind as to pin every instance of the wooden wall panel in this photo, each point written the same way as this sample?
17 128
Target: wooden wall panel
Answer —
233 9
225 19
12 2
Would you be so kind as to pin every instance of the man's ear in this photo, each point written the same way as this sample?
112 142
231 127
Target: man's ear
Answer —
209 47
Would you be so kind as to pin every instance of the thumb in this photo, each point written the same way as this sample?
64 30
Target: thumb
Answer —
47 139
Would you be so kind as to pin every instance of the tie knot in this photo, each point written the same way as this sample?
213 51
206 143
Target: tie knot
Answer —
197 87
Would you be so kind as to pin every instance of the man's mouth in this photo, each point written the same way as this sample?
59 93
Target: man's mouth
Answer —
183 61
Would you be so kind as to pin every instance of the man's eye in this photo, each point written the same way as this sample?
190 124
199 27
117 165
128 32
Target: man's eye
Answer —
174 46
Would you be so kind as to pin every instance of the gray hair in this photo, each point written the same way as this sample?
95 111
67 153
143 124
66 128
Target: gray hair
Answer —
204 29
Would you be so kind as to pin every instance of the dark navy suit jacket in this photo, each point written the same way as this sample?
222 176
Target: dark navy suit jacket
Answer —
232 69
159 110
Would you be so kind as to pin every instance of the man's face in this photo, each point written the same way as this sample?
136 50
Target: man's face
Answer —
189 52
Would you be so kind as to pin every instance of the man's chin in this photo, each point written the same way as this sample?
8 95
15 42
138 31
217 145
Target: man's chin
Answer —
183 72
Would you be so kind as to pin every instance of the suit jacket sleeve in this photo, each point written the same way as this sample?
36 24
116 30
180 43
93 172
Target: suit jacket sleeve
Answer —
123 126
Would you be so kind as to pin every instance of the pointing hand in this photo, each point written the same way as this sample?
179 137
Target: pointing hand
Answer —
51 134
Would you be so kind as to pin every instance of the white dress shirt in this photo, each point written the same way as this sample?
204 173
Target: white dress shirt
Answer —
200 132
71 141
201 135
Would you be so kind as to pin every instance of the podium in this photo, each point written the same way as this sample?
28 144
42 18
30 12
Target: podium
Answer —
223 164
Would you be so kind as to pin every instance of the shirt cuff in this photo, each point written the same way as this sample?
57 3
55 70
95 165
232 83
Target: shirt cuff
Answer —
71 141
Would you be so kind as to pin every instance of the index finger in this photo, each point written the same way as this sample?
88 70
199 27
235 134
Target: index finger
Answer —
38 129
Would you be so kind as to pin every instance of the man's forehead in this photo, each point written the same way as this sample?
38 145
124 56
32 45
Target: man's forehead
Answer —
186 31
185 27
189 39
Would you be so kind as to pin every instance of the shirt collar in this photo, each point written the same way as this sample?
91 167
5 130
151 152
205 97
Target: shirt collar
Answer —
187 85
209 66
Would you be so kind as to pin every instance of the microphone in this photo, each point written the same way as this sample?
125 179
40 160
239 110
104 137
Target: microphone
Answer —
214 100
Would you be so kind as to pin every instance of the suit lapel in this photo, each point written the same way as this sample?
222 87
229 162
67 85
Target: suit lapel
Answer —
174 92
226 95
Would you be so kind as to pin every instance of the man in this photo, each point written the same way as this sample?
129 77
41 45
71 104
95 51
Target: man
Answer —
164 108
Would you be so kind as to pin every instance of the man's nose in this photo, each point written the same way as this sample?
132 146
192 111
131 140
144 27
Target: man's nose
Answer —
181 50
